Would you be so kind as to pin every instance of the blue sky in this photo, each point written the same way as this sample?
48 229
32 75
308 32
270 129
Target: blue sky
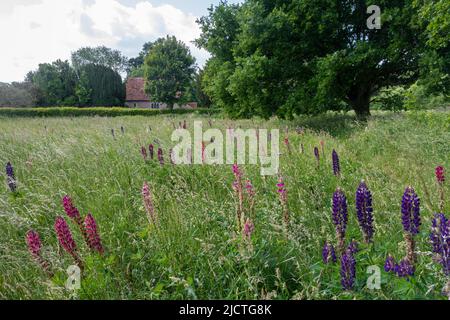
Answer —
37 31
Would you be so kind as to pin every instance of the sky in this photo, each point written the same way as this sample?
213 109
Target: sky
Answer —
38 31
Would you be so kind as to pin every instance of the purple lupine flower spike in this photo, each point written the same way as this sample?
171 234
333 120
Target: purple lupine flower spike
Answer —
364 211
316 154
348 270
440 239
249 227
404 268
411 211
340 216
147 198
328 253
411 220
336 164
389 265
11 179
353 247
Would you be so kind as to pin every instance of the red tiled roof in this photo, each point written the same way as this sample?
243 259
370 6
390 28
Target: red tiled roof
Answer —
135 90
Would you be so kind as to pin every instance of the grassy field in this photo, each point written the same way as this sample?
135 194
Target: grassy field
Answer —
196 251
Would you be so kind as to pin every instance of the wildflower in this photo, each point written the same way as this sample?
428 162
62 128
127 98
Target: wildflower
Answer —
336 165
237 186
364 211
144 153
411 220
95 242
283 199
440 174
74 214
316 154
411 211
249 227
148 203
340 216
287 144
66 240
440 240
151 151
353 247
34 246
404 268
389 265
328 253
348 270
160 156
440 179
11 179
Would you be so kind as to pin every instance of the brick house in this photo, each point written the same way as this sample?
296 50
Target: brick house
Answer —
137 98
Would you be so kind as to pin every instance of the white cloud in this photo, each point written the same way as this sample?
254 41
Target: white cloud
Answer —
46 30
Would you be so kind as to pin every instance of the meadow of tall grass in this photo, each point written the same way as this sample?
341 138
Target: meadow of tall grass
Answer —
194 248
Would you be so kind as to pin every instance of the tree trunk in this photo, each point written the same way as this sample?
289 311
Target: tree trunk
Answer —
360 102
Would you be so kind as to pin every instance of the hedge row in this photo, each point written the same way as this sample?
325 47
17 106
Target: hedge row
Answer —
97 111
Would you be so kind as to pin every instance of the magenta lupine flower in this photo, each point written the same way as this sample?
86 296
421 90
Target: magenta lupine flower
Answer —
34 243
411 211
151 151
69 208
203 151
340 216
66 240
348 270
282 192
249 227
95 242
440 240
336 165
316 154
11 179
287 144
34 246
249 188
148 203
74 214
440 174
237 186
144 153
64 235
364 211
160 156
440 179
328 253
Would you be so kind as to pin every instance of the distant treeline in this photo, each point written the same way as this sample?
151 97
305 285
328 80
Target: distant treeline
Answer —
97 111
